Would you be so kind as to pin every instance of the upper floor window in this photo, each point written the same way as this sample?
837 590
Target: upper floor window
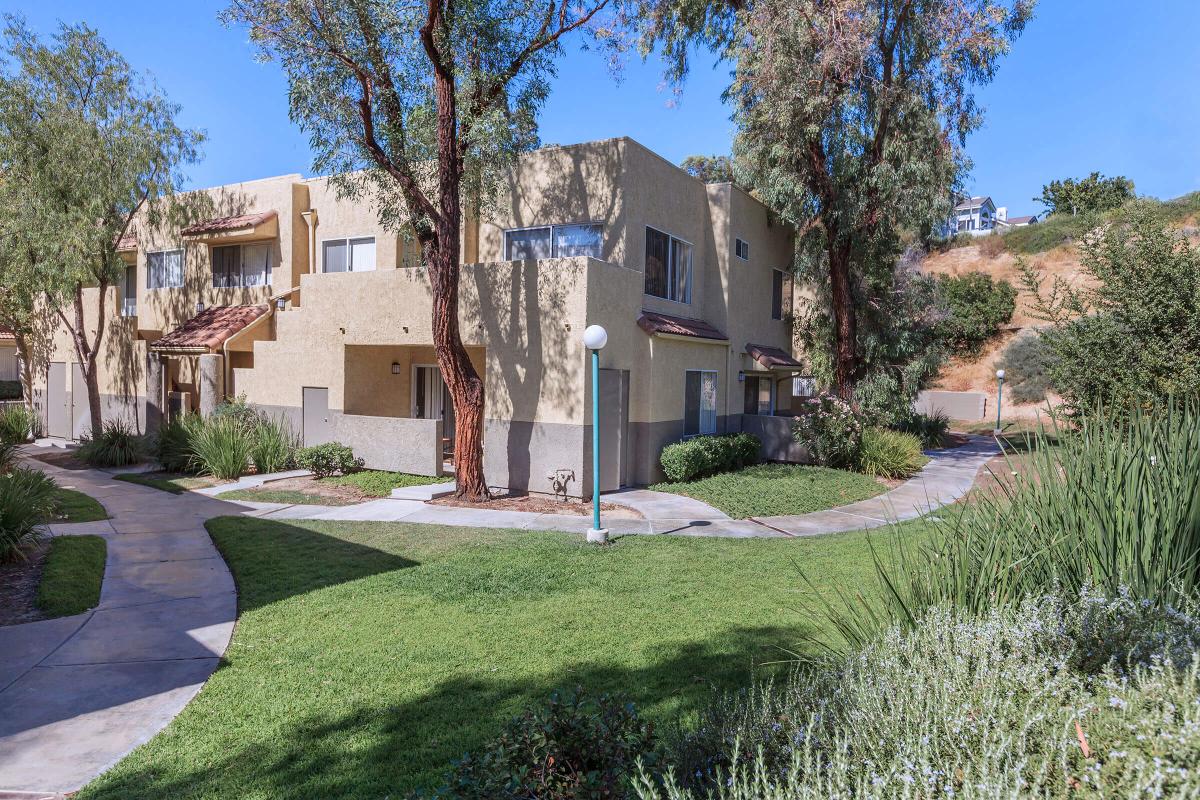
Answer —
164 269
741 248
348 255
241 265
554 241
781 293
668 267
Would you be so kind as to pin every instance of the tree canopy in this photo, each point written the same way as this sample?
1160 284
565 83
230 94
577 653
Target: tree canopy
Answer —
1095 193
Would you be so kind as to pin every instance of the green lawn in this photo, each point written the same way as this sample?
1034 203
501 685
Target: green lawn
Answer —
290 496
73 506
368 656
173 482
766 490
72 575
380 484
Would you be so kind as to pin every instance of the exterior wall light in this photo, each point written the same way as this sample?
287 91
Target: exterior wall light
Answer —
395 367
280 303
199 306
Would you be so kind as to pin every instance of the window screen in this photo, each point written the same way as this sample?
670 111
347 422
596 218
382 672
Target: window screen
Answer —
362 254
164 269
658 248
335 256
533 243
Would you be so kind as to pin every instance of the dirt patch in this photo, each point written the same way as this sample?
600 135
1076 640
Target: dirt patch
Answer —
539 504
18 587
344 495
65 460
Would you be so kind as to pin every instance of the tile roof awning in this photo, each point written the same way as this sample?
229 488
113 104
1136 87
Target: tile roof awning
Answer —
258 225
773 357
127 242
655 324
7 335
208 330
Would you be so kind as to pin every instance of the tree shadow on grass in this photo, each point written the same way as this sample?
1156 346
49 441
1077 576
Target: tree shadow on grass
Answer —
388 750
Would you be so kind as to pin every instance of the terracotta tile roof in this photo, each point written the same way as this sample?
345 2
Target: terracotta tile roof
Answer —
652 323
6 335
210 328
772 357
233 223
127 242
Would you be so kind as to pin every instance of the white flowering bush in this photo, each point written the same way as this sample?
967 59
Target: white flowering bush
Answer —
830 431
1014 703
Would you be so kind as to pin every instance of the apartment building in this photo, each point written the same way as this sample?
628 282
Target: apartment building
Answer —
301 301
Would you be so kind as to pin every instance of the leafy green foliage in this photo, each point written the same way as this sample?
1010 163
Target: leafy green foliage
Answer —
1091 194
767 490
118 445
221 447
273 445
930 429
830 431
1027 363
1007 700
1133 336
574 747
173 443
889 454
707 455
26 504
331 458
710 169
978 307
17 422
72 576
379 483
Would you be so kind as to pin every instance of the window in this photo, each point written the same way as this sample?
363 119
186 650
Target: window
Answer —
741 249
164 269
781 293
700 403
668 267
760 396
348 255
804 386
554 241
129 293
239 265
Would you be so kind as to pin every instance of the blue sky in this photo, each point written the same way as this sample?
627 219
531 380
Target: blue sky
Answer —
1100 85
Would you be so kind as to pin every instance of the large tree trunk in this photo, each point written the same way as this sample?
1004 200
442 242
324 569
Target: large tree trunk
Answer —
845 321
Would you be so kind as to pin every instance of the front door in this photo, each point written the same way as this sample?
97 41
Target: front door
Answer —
317 428
58 404
81 412
614 428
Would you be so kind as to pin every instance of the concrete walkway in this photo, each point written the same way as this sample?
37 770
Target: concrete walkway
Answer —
78 693
947 477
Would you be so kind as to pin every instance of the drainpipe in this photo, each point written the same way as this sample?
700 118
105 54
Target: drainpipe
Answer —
310 219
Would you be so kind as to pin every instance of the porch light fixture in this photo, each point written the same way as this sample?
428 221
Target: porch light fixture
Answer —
594 339
741 376
199 306
280 303
999 398
395 367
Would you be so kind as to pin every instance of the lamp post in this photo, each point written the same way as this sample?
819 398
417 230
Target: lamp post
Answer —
594 339
999 398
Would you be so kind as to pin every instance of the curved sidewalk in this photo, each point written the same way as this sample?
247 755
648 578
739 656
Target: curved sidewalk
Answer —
78 693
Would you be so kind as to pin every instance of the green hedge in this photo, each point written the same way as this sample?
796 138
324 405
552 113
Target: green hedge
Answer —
701 456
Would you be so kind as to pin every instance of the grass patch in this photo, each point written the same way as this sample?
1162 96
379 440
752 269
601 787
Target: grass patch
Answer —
288 496
73 506
173 482
368 656
72 575
766 490
380 484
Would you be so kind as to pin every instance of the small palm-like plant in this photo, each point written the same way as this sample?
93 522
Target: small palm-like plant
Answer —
221 447
26 503
118 445
273 448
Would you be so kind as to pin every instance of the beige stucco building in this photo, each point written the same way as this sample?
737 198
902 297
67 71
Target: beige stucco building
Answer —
301 301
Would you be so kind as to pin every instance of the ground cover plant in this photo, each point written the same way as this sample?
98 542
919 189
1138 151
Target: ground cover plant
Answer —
265 494
379 483
73 506
777 489
72 575
368 657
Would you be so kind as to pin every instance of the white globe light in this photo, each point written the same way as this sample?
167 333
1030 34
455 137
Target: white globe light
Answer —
595 337
1000 374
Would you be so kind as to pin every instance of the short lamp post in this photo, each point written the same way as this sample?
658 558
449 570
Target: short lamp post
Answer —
594 339
999 398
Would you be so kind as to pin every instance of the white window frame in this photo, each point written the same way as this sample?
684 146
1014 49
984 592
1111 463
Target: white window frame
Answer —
241 247
182 268
553 242
700 409
738 243
672 239
350 252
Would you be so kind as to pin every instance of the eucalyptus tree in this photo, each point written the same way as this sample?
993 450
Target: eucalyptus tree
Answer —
421 107
91 143
852 116
22 289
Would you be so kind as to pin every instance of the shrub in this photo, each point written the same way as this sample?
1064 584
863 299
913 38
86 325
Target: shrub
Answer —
574 747
17 424
323 460
10 390
1027 363
882 400
26 503
117 445
173 443
830 431
8 456
889 454
702 456
238 408
964 707
931 429
273 447
978 307
221 447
